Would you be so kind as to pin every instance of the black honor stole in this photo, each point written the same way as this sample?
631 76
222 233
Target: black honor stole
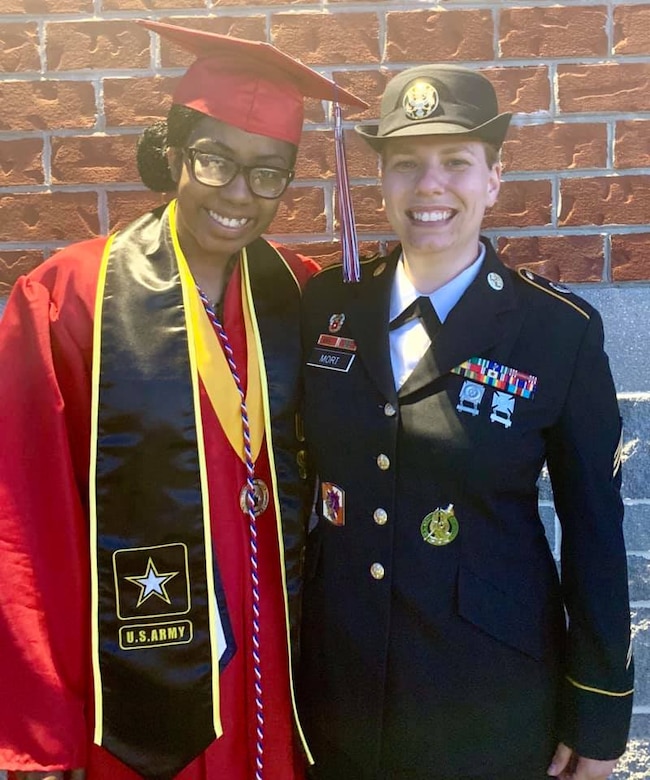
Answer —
154 618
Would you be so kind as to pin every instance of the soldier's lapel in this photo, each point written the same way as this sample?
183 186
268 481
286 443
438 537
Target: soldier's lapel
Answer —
486 315
367 314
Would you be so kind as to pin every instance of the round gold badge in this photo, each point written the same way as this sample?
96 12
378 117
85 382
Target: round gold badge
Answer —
260 497
420 100
440 527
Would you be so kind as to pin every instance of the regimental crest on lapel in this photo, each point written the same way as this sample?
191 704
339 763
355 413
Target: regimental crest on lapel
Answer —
333 498
336 322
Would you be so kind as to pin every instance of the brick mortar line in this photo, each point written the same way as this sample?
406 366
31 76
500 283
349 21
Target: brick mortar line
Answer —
520 120
331 237
393 7
357 67
574 173
263 10
588 174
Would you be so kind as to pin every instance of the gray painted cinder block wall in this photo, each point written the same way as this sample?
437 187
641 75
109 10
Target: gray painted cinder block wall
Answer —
626 314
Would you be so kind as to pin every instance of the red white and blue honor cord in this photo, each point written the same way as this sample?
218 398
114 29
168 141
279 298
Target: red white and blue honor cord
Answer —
252 526
349 244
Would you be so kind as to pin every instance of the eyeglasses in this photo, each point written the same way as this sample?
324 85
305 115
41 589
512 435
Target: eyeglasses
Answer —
213 170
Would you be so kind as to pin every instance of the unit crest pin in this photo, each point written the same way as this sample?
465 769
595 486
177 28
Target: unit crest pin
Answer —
336 322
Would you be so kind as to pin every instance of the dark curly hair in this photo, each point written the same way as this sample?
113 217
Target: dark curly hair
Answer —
153 143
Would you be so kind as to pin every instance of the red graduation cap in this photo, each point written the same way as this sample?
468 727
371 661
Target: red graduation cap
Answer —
259 89
248 84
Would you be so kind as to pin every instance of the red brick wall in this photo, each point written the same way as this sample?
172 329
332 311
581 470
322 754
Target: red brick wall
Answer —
79 80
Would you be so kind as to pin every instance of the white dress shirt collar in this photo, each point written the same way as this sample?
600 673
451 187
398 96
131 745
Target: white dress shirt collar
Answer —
409 343
443 299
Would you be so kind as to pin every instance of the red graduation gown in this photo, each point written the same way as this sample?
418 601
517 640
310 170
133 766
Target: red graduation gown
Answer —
45 673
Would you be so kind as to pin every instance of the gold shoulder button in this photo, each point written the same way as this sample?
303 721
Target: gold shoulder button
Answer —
558 291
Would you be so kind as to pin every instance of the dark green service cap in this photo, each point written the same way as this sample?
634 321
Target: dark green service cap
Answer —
438 100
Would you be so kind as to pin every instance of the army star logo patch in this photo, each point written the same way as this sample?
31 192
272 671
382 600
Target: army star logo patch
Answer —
152 583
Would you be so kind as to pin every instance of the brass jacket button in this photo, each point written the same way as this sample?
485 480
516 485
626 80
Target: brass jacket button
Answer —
380 516
383 461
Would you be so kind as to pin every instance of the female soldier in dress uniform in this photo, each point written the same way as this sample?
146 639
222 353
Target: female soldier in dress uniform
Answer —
435 645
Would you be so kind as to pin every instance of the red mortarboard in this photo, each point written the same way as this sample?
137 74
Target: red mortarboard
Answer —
255 87
248 84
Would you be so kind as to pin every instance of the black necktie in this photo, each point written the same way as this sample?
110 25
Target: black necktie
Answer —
421 308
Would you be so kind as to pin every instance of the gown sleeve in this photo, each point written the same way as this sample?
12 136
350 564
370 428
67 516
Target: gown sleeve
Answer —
45 346
584 459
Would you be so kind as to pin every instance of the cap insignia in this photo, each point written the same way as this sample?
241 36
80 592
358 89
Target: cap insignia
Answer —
420 100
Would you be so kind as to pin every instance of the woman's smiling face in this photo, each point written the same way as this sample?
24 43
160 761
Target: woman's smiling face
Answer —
217 222
436 190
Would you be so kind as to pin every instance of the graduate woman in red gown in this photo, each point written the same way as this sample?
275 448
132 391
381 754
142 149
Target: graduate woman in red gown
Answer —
152 486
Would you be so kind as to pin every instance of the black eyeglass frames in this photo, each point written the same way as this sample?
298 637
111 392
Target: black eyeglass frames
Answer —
214 170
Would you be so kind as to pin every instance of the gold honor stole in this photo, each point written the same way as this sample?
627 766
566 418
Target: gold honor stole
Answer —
154 618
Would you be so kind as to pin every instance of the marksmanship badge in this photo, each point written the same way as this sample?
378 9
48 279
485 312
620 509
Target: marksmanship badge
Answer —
440 527
470 398
420 100
503 405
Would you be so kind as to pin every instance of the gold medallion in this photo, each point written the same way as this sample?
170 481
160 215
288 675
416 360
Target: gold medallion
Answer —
440 527
260 497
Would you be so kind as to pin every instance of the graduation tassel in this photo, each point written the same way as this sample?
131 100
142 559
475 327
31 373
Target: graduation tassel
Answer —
349 245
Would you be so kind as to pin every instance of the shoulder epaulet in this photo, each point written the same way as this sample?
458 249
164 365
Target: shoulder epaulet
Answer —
338 266
327 268
558 291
